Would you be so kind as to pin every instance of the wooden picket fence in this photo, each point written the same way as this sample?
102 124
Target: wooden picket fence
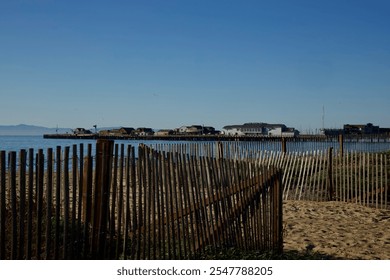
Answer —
109 204
169 201
357 177
315 175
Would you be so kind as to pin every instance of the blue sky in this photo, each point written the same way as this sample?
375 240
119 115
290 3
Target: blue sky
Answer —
164 64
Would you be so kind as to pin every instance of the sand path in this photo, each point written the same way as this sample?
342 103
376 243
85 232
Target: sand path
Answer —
342 230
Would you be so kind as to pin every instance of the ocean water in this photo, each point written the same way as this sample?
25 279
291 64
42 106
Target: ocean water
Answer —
16 143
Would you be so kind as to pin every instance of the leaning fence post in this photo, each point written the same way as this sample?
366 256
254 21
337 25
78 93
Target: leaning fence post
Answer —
330 175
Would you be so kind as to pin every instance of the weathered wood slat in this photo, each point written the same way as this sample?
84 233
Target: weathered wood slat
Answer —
49 199
3 239
74 192
30 203
14 214
57 204
22 202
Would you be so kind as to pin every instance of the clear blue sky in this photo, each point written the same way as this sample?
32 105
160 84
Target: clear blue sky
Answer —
168 63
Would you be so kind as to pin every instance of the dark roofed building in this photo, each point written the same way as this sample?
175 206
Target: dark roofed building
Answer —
143 131
361 129
80 130
117 131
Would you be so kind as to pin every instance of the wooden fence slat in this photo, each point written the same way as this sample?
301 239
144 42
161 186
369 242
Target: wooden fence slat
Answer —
361 182
330 174
40 181
165 182
133 184
116 211
123 215
382 180
74 229
278 207
208 222
49 194
87 202
194 200
3 208
144 201
161 207
354 176
223 165
149 204
231 198
122 223
300 177
66 205
213 208
316 176
181 205
22 202
312 187
237 199
304 176
12 187
80 158
171 184
139 203
30 203
187 204
155 207
387 184
57 204
287 174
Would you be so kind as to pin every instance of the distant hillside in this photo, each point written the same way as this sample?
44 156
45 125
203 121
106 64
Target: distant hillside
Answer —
27 130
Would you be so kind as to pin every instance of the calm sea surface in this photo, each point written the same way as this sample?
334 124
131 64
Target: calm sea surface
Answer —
16 143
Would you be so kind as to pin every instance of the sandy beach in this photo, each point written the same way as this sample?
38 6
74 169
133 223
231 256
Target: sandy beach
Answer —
337 229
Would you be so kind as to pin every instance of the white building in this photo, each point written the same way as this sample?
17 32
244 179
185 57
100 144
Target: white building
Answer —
260 129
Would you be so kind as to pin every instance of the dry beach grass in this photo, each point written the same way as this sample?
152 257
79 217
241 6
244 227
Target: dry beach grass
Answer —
337 229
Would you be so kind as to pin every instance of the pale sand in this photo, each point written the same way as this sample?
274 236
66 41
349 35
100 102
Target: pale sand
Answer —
339 229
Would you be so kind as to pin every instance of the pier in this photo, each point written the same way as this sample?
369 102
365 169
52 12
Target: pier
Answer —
162 137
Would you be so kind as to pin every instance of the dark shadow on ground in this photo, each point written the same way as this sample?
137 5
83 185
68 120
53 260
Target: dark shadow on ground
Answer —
239 254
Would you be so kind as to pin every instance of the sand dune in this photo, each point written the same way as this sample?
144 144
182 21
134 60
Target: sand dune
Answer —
342 230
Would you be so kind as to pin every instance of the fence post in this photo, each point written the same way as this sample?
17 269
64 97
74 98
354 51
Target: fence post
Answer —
341 144
330 173
87 200
284 146
220 150
104 158
277 189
